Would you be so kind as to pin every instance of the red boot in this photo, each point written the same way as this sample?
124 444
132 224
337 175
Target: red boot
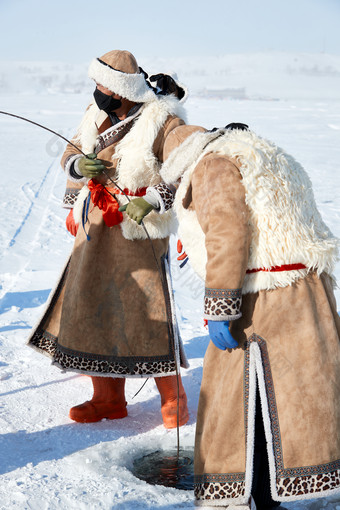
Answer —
167 387
108 401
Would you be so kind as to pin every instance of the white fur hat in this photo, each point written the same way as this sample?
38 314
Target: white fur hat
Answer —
119 72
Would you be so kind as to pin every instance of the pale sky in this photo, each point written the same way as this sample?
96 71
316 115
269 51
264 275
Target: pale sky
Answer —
78 30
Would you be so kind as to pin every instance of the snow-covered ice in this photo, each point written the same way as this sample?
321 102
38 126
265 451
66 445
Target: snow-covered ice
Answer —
47 461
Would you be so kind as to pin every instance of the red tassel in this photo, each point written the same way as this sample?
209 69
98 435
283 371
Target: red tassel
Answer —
103 198
107 203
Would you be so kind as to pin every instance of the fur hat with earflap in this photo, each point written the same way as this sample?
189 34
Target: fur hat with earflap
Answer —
119 72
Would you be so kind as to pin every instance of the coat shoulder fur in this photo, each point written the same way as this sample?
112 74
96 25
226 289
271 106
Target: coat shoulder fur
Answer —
285 223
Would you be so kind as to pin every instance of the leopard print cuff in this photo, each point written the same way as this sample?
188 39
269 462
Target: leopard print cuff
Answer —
222 304
164 195
70 197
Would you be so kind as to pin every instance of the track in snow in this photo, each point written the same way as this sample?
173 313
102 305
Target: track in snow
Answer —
34 232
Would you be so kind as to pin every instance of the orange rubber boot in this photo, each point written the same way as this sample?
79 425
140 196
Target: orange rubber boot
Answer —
108 401
167 387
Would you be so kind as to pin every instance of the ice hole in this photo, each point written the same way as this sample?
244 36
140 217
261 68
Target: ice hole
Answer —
164 467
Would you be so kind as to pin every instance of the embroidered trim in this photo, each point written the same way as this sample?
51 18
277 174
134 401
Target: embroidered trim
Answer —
222 304
70 197
314 470
114 134
223 293
292 481
246 388
219 477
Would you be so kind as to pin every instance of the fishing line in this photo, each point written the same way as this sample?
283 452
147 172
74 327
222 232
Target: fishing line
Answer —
140 389
160 273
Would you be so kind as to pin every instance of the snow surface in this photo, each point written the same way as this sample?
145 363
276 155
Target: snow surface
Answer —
47 461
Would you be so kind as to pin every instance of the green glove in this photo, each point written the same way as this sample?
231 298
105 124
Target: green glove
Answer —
137 209
90 166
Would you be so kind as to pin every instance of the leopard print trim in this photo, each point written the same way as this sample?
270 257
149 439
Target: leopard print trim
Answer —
222 304
113 135
312 484
164 196
44 341
230 490
47 343
119 368
70 197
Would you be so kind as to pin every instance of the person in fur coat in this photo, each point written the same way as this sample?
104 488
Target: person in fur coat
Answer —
268 422
111 314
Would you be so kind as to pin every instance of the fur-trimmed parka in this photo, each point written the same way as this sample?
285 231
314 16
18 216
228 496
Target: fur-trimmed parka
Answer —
249 223
111 313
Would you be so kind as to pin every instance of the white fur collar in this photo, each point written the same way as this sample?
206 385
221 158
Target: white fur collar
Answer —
137 165
189 152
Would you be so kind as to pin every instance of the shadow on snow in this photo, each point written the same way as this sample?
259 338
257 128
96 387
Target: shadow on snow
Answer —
28 299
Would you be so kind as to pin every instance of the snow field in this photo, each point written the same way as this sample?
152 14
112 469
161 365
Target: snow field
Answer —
47 461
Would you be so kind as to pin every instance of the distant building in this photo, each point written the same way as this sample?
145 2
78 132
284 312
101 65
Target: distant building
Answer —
239 93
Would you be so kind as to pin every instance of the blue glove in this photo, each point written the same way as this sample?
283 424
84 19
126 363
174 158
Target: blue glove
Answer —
220 335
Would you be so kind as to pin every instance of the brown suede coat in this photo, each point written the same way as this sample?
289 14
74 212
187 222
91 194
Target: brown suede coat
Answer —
288 342
110 313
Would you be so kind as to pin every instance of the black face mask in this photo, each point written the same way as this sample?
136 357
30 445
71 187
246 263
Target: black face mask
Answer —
105 102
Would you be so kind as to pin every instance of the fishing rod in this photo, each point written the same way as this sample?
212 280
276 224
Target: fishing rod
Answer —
142 224
44 127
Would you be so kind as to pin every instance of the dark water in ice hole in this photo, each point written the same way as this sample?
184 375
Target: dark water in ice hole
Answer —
163 468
